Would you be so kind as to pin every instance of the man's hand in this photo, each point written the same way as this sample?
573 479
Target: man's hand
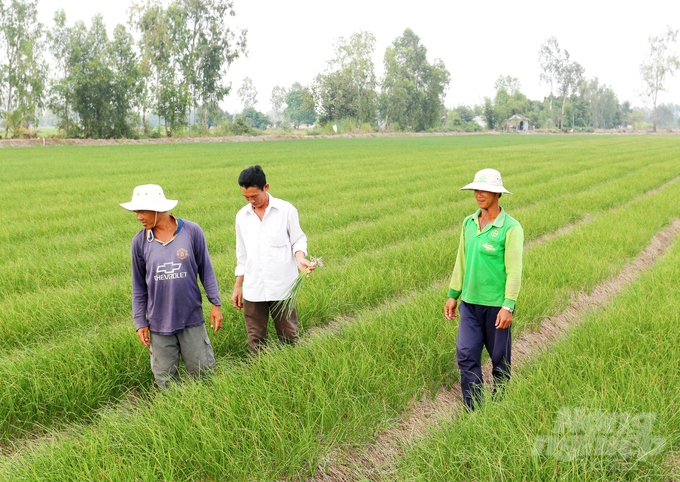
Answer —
143 334
237 298
216 317
450 309
503 319
303 264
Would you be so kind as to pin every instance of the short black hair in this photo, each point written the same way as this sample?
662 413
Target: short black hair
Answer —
253 176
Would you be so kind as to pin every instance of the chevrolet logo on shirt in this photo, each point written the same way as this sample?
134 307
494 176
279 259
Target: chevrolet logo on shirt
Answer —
169 269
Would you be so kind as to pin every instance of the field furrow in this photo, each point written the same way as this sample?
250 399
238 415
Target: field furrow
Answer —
617 369
381 460
281 414
75 394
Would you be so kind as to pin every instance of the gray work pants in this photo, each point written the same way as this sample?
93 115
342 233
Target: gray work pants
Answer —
256 314
192 344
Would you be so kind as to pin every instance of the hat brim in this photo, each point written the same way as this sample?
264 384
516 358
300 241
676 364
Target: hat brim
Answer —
160 207
483 186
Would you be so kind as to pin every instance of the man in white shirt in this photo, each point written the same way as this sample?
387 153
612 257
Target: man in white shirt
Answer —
270 249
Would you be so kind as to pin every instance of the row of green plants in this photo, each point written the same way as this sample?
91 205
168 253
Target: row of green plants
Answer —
600 405
364 280
45 250
63 296
281 414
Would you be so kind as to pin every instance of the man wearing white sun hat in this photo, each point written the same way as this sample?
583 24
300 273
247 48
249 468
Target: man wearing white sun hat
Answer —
486 278
168 255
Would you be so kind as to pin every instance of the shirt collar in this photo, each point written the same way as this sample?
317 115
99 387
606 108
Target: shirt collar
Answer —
498 222
151 236
273 203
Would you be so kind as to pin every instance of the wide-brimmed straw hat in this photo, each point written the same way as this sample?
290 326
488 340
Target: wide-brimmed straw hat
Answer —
149 197
487 180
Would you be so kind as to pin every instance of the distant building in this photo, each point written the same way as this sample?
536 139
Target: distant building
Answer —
481 121
518 122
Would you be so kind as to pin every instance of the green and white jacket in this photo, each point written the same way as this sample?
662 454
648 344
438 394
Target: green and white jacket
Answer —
488 268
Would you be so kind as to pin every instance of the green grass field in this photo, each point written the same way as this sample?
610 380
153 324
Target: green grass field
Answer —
385 214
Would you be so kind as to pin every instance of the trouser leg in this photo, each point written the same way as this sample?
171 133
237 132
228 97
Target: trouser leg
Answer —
498 344
286 325
165 353
256 315
469 353
197 351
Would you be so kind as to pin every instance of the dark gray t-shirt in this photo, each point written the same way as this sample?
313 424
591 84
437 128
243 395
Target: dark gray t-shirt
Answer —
165 292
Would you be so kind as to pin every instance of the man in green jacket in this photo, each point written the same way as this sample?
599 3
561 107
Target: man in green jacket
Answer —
487 279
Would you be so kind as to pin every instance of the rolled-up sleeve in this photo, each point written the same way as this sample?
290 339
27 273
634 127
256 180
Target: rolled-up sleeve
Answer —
140 293
514 246
298 239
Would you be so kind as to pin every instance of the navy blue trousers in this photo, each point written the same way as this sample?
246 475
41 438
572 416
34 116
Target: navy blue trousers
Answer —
477 330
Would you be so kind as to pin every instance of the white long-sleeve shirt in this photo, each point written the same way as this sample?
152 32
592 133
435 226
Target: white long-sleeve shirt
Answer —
265 250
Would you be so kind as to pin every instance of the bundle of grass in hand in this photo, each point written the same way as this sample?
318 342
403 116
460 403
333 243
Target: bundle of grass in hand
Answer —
287 304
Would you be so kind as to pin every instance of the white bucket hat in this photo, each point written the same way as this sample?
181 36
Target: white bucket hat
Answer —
487 180
149 197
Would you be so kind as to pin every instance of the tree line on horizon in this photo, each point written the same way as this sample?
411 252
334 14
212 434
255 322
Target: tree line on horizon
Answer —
165 73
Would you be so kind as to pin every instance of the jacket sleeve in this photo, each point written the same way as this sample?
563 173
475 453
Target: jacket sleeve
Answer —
205 268
514 246
456 286
140 292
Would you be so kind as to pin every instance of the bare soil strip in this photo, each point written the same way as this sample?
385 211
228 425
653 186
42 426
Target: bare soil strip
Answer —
374 462
51 141
45 142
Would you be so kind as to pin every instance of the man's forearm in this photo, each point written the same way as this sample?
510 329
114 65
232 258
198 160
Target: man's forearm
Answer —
239 282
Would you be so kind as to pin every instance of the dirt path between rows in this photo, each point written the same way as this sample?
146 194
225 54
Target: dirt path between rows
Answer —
47 142
377 461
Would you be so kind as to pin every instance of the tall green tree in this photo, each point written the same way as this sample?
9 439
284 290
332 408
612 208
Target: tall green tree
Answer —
569 78
23 70
189 46
604 109
346 89
353 57
247 93
97 78
297 112
510 84
255 118
661 61
333 95
412 89
151 22
551 59
65 45
208 47
125 89
278 101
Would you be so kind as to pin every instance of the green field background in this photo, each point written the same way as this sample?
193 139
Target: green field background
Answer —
384 213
